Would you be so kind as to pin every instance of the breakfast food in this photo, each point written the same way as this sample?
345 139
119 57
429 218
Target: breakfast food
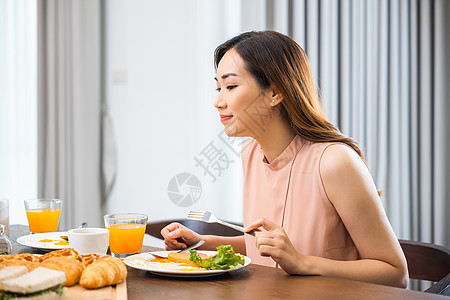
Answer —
87 259
183 258
164 264
27 260
174 262
70 266
194 262
60 242
225 259
68 252
41 283
91 271
11 272
106 271
21 256
30 265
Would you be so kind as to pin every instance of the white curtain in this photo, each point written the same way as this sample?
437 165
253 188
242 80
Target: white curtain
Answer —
69 108
18 105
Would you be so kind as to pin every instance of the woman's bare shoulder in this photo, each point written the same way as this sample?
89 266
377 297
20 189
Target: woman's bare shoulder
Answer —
338 157
343 172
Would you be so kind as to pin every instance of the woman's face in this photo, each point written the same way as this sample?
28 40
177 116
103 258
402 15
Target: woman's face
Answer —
244 108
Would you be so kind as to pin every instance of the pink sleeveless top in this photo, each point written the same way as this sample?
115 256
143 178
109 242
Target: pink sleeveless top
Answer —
289 192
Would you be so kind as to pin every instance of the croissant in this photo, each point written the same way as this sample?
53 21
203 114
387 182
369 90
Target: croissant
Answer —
71 266
67 252
106 271
21 256
87 259
31 265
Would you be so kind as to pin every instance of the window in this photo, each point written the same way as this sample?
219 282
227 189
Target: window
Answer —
18 105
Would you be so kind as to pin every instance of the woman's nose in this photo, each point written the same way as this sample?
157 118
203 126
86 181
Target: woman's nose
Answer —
220 102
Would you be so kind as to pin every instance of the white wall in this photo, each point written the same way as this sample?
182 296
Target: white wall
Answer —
160 92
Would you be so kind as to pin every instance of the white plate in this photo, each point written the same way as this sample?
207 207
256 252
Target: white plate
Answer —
140 261
33 240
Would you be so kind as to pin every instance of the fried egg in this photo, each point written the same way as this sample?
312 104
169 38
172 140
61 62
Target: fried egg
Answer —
164 264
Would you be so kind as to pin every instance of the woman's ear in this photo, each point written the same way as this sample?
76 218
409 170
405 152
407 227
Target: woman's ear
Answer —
276 98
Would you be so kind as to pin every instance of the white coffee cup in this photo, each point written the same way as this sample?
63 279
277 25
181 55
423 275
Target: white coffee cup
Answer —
89 240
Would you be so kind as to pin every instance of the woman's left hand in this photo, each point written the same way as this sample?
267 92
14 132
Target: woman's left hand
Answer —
275 243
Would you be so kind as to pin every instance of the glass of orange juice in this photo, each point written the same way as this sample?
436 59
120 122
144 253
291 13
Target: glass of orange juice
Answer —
43 214
126 233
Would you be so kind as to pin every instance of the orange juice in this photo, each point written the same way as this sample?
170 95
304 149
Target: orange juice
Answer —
43 220
126 238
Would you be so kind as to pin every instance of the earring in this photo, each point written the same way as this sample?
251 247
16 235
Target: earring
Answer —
273 101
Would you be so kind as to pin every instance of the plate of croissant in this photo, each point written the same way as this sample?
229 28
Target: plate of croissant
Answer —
91 271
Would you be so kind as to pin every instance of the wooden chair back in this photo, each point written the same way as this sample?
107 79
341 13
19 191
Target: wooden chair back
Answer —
428 262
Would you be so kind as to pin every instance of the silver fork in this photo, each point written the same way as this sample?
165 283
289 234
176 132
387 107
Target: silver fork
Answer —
209 217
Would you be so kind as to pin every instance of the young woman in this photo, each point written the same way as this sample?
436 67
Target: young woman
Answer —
307 189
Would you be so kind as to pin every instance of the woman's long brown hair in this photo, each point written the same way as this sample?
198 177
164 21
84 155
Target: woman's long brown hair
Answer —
276 60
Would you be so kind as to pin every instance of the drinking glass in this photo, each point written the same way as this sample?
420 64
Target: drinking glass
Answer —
4 214
43 214
126 233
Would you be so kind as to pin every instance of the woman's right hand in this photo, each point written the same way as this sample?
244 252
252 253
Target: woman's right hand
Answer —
174 233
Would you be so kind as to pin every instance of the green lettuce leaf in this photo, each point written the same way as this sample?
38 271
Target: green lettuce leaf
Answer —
6 296
225 259
196 259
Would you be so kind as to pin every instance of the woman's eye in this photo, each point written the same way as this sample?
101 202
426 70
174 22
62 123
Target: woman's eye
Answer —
229 87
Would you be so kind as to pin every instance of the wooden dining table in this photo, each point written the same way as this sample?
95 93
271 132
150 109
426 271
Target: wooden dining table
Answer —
252 282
